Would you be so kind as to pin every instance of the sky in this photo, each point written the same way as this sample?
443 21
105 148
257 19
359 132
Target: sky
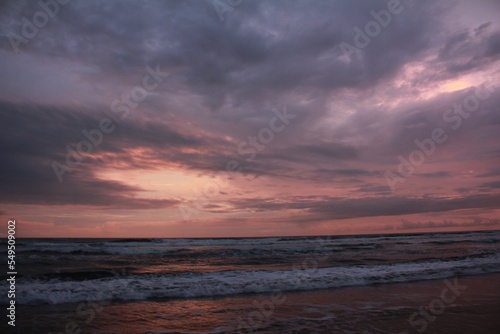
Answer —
239 118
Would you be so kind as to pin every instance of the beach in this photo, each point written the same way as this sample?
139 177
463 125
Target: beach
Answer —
383 308
342 284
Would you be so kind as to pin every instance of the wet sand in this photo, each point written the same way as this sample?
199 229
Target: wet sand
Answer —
412 307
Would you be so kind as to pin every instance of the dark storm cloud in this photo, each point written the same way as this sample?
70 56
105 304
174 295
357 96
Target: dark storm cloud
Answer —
313 154
390 206
331 208
493 46
341 175
326 150
263 51
440 174
465 50
463 190
34 136
374 188
417 122
264 44
483 27
495 171
475 222
353 172
491 185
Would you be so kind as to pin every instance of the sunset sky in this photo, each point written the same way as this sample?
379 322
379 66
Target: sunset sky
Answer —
249 118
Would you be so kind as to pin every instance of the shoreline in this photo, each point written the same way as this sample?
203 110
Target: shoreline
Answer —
380 308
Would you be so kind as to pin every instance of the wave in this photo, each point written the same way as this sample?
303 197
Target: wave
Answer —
146 240
226 283
136 248
150 246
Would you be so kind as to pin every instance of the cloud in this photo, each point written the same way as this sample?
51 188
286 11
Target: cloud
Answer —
466 50
35 136
440 174
494 171
491 185
325 208
392 206
353 119
256 51
475 222
374 188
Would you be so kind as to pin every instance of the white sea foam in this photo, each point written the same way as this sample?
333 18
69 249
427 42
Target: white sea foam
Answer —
194 285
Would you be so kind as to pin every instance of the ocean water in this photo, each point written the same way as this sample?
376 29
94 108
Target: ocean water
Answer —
55 273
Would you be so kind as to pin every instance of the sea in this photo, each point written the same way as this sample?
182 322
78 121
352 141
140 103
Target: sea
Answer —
239 285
